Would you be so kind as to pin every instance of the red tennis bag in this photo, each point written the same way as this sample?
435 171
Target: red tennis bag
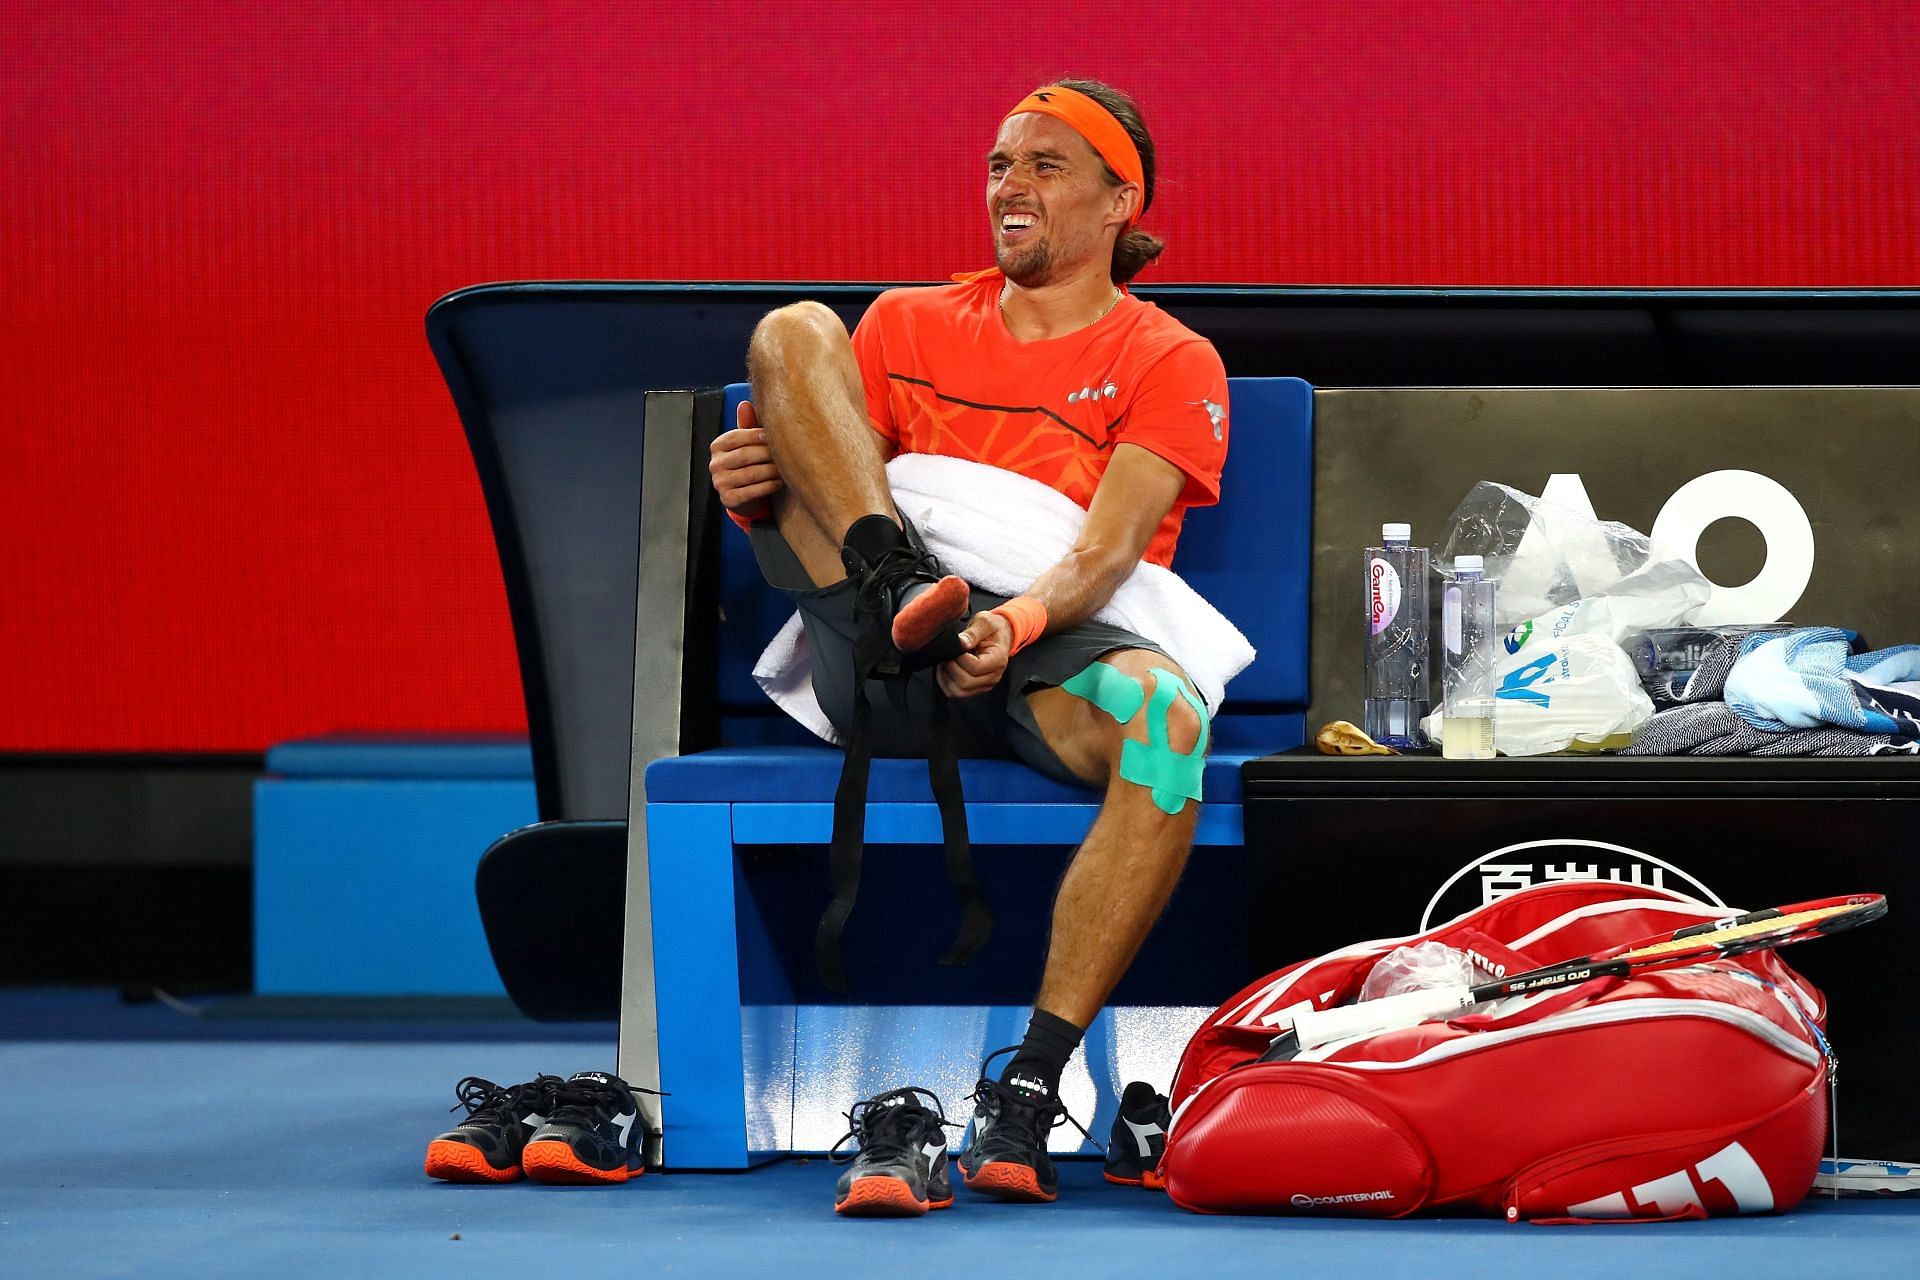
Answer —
1678 1093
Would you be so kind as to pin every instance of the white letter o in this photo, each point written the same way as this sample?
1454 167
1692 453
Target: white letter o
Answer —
1778 515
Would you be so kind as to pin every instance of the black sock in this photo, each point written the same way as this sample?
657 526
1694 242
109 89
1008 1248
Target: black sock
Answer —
870 536
1042 1056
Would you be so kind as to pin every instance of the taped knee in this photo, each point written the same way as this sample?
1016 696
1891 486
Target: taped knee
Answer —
1172 759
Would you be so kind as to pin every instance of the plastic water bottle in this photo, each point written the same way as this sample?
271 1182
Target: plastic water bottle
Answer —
1466 668
1396 658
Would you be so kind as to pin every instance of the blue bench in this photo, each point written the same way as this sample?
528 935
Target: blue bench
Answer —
364 856
756 1062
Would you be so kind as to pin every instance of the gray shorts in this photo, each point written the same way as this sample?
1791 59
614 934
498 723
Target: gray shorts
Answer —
997 723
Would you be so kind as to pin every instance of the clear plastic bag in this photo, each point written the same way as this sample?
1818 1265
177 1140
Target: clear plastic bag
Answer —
1547 556
1572 591
1422 967
1661 594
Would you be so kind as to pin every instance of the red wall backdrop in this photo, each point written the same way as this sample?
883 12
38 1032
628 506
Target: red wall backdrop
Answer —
239 507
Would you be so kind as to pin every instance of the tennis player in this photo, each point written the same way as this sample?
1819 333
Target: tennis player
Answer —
1046 366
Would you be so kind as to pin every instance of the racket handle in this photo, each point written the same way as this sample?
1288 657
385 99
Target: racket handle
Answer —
1369 1017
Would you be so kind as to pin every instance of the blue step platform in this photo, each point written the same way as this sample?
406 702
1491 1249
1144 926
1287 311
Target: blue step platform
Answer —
364 856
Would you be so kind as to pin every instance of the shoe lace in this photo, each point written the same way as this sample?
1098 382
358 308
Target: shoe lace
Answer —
585 1102
485 1100
888 1132
1020 1123
900 563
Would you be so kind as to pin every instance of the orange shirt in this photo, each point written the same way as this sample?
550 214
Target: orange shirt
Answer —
944 376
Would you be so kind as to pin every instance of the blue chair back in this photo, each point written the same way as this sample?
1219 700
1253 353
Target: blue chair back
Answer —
1250 556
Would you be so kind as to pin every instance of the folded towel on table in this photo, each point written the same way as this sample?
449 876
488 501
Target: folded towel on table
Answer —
1810 678
1716 729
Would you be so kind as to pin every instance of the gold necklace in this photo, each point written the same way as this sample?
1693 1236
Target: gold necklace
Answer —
1112 302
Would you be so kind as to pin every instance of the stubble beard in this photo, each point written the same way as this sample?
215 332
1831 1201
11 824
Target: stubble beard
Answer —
1028 268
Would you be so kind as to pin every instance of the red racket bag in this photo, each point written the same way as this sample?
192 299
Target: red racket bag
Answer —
1679 1093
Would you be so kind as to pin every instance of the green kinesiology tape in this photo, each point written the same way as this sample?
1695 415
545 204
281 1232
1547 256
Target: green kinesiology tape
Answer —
1108 688
1173 778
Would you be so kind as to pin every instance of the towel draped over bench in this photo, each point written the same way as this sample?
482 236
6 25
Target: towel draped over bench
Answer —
1000 530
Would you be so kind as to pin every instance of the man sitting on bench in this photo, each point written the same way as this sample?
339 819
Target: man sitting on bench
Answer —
1047 367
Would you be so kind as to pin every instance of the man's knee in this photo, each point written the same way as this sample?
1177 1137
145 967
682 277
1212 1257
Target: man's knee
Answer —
1169 711
1143 725
790 330
1186 727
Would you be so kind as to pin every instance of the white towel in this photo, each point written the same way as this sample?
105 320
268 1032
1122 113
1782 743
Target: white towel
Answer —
1000 530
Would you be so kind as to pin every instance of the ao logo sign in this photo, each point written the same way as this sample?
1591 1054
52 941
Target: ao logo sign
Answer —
1720 495
1508 870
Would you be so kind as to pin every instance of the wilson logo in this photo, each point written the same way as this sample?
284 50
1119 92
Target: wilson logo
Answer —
1485 965
1733 1167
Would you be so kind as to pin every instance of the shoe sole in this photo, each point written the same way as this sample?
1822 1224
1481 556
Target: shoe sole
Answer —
1006 1181
929 613
458 1162
1149 1180
882 1197
555 1164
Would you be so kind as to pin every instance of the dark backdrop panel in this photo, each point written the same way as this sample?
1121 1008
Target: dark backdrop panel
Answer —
1843 452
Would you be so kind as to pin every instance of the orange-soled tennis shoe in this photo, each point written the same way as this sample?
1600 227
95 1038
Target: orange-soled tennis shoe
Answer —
486 1146
451 1160
1004 1180
899 1169
1138 1138
1006 1152
593 1137
883 1196
555 1163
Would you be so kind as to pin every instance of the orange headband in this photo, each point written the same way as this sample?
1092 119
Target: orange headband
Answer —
1098 126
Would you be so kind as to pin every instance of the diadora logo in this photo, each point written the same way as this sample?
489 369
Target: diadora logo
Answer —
1508 870
1103 391
1143 1136
1029 1084
1304 1201
1216 414
1733 1167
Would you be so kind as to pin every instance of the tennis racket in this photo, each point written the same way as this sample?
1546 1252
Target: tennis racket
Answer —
1735 935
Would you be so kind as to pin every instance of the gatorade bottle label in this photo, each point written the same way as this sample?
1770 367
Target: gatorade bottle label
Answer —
1383 595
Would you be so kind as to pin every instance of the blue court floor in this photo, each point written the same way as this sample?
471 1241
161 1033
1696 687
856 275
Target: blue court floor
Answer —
141 1142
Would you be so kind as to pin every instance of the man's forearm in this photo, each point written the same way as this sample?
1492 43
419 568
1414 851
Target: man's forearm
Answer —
1080 584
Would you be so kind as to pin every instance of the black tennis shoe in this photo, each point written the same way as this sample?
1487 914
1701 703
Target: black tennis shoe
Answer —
903 591
593 1135
900 1168
1139 1138
1006 1149
486 1146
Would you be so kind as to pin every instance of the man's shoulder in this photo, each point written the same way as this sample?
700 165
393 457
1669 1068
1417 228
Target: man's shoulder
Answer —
923 301
1156 335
